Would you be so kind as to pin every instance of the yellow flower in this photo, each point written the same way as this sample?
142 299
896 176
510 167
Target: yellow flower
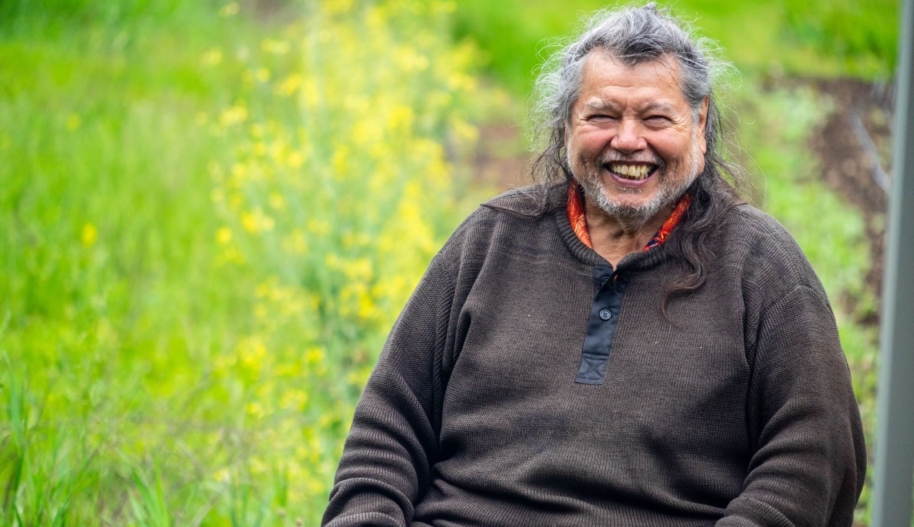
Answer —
296 159
464 130
255 410
255 220
88 235
289 85
234 115
314 355
311 96
294 400
400 119
224 235
212 57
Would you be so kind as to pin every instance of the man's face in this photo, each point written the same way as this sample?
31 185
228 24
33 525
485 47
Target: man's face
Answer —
632 143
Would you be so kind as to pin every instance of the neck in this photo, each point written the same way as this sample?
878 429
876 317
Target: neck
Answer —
613 237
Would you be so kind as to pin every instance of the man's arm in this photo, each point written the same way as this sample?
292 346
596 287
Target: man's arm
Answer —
393 442
810 460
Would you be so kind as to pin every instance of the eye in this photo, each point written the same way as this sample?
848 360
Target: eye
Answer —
600 118
657 120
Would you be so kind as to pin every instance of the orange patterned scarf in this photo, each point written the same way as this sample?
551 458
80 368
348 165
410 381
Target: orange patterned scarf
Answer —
578 219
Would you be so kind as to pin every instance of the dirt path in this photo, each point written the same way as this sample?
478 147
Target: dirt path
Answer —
854 148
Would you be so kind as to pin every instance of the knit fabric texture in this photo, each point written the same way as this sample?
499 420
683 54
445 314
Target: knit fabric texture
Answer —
737 411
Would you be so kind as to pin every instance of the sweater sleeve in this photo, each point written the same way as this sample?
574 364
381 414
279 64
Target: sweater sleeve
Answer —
393 441
809 463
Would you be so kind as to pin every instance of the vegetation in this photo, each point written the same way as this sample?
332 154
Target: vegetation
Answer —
211 213
806 38
206 236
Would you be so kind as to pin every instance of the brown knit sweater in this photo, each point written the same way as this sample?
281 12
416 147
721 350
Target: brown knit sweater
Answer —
480 412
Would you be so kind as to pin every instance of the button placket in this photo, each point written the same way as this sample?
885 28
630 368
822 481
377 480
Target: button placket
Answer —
601 326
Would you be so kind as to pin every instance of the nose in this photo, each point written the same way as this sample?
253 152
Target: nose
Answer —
629 138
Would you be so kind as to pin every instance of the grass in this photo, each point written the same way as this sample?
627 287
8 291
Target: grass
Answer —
814 38
205 236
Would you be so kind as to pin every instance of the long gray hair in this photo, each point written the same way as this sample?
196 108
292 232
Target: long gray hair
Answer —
637 35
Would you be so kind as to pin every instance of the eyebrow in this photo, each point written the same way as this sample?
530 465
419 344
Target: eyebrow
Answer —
601 105
659 107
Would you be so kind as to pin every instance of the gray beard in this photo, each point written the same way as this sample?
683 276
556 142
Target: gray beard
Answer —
634 218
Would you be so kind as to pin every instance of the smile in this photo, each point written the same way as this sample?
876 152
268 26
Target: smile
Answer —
632 171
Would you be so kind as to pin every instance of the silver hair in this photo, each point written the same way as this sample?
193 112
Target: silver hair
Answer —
633 35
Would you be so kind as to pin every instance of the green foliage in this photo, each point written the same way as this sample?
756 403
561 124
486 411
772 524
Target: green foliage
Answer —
857 34
798 37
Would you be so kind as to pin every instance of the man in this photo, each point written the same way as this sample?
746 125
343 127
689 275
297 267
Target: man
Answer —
626 344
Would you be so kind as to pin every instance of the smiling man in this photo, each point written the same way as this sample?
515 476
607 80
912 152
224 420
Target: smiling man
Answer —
634 146
625 343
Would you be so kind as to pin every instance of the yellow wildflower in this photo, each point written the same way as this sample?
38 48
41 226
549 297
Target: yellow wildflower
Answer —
224 235
88 235
289 85
314 355
212 57
234 115
296 159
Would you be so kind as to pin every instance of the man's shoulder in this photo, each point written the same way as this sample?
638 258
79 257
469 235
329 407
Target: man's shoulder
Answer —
519 206
752 225
765 249
531 200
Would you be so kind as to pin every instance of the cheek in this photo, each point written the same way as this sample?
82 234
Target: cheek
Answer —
589 147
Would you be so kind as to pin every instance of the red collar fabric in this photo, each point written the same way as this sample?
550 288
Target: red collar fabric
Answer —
578 219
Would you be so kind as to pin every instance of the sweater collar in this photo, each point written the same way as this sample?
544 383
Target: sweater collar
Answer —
557 200
577 217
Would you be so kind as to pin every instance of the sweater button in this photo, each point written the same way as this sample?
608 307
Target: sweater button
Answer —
605 314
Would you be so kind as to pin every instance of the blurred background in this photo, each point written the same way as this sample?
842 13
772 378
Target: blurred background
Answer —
212 212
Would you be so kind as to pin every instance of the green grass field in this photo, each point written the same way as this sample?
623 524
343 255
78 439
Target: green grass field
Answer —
211 213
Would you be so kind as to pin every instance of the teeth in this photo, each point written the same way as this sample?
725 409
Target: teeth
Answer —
635 172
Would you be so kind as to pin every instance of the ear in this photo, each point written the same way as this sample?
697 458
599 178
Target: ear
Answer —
703 124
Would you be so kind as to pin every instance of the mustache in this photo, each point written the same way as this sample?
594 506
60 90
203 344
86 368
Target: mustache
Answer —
619 157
